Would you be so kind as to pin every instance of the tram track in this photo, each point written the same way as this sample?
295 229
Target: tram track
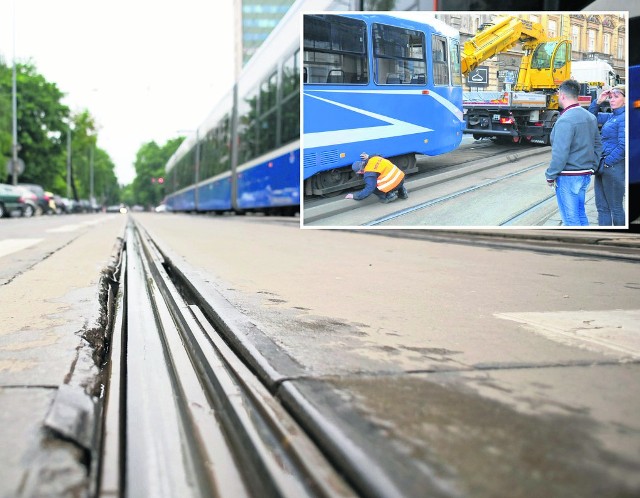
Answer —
457 194
184 415
435 185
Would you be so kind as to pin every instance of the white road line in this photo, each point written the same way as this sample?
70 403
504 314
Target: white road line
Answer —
9 246
64 229
614 331
74 227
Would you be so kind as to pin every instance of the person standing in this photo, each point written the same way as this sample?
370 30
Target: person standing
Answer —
575 152
381 177
610 182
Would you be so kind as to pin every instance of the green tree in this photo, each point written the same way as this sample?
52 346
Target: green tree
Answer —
41 123
44 124
151 160
6 126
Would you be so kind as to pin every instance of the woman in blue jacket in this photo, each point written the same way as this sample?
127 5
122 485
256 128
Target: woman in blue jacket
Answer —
610 183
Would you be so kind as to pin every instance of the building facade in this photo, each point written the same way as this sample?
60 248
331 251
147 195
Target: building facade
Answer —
593 37
255 19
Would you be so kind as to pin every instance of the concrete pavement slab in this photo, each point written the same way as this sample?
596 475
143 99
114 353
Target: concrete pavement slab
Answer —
53 328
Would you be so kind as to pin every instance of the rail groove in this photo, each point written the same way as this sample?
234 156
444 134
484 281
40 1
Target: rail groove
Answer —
186 417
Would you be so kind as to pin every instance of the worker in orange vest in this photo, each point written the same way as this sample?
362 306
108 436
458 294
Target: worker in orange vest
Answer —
381 177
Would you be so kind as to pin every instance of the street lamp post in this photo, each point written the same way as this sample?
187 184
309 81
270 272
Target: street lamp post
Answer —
91 173
14 107
69 161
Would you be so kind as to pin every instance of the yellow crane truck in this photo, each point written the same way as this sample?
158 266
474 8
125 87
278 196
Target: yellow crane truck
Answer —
529 109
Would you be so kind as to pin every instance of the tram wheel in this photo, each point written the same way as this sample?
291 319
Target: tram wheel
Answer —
404 162
327 181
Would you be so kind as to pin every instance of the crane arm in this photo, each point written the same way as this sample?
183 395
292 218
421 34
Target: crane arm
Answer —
501 36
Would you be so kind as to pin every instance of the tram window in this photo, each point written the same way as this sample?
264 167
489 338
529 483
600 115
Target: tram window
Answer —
267 121
399 55
268 94
208 155
290 107
439 56
291 118
267 133
334 50
247 126
290 75
454 62
214 153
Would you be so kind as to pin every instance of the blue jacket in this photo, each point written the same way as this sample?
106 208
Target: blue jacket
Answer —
575 144
370 186
613 132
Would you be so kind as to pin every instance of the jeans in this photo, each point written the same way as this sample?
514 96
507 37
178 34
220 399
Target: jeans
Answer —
570 194
609 190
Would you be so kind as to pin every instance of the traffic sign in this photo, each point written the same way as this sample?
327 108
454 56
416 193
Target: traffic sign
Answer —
479 76
19 169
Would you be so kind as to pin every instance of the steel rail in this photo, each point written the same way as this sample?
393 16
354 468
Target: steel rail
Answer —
444 198
198 422
523 214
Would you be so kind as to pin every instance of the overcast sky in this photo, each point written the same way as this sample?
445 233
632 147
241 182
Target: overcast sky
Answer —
145 69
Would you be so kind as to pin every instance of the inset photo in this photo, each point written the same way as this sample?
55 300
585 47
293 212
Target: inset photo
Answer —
483 120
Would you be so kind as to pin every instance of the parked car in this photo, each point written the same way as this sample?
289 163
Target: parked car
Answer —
117 208
9 200
28 202
63 205
162 208
45 199
18 199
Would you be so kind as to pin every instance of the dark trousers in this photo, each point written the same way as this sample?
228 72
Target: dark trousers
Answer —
609 191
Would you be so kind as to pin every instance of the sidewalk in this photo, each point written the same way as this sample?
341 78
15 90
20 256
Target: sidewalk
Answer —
51 335
592 212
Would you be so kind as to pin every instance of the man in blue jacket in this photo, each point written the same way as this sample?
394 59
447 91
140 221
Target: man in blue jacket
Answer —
575 152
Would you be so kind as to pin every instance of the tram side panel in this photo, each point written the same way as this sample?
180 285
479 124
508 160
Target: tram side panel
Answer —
380 84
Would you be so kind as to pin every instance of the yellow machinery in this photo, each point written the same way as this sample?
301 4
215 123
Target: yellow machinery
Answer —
529 110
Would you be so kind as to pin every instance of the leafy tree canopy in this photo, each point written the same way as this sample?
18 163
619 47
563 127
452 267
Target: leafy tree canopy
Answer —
147 189
44 123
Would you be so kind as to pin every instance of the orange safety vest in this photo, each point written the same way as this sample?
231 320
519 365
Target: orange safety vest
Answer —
389 176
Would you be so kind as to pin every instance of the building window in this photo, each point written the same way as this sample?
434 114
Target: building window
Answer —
553 28
575 37
591 42
607 43
620 47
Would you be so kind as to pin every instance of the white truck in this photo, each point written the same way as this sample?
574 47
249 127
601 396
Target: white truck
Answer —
593 76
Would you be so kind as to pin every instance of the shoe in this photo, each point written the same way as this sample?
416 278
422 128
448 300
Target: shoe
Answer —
390 198
402 192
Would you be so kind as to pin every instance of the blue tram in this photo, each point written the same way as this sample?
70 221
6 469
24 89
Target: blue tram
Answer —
385 84
245 156
634 142
633 111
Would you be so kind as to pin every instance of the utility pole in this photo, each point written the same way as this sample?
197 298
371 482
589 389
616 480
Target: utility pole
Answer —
91 198
14 106
69 160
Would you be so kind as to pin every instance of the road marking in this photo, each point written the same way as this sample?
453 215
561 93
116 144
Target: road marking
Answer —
74 227
64 229
13 245
602 331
